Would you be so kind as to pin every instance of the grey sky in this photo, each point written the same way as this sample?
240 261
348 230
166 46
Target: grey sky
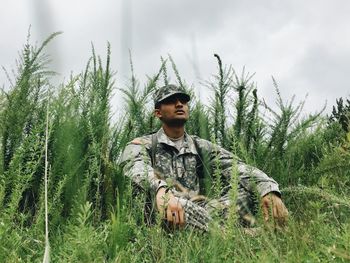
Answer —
305 45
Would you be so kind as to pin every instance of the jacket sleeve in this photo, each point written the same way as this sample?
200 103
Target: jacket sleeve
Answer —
137 165
249 177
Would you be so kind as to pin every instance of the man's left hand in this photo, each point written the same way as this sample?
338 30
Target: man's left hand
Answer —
272 206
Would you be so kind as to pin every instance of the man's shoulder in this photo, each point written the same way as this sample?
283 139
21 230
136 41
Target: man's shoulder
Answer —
199 142
206 146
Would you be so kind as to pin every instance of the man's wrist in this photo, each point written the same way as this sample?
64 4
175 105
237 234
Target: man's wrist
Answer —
274 193
163 196
161 191
161 188
160 184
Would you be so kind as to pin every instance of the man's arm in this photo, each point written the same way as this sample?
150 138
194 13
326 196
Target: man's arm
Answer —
250 178
137 165
254 179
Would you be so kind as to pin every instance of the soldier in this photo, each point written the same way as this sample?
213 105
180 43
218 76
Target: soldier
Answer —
169 164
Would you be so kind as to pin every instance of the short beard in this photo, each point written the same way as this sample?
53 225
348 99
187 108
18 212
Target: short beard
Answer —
174 122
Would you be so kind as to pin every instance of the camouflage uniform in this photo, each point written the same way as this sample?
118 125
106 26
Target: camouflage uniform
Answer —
177 169
153 161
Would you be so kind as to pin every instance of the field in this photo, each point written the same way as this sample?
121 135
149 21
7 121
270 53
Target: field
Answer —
65 132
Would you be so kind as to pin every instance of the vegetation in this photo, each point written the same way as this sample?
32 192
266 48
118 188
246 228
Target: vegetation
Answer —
92 215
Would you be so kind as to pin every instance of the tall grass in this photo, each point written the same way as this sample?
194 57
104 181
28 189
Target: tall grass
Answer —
92 213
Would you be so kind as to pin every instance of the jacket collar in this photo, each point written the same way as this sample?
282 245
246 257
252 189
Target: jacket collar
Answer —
188 146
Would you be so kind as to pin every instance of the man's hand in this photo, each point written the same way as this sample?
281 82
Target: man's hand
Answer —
168 204
273 206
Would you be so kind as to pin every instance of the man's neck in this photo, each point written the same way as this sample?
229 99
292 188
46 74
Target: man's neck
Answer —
174 132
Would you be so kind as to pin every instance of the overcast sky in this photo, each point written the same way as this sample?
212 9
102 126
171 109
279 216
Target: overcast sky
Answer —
305 45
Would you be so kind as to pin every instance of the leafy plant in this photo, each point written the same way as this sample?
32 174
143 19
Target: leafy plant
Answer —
92 211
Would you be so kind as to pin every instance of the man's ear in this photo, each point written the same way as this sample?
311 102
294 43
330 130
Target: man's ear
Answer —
157 113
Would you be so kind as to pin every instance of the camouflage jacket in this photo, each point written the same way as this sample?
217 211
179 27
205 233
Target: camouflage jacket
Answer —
171 165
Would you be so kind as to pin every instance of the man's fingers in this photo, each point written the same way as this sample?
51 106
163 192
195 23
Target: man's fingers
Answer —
284 214
182 217
169 215
174 213
281 210
275 210
265 210
280 213
175 217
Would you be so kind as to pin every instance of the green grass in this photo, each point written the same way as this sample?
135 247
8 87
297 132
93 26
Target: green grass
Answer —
92 214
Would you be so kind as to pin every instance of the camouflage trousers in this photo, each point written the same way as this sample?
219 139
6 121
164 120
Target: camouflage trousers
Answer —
199 214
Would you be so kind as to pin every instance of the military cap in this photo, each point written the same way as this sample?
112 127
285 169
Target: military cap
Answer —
168 91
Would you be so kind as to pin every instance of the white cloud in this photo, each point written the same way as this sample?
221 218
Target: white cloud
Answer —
303 44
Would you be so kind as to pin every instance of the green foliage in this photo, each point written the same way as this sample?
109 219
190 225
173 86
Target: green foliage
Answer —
82 242
140 119
199 121
221 87
341 114
93 214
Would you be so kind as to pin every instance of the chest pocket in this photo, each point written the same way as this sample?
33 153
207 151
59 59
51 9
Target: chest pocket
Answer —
164 164
189 178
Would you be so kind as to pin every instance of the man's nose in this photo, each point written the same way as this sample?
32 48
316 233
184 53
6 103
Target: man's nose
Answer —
178 103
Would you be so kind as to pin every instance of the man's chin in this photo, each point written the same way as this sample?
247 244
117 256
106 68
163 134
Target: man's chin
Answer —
175 122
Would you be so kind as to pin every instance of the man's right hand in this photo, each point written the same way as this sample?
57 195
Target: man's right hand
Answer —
168 204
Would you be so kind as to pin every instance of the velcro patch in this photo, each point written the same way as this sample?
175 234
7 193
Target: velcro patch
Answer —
136 141
140 141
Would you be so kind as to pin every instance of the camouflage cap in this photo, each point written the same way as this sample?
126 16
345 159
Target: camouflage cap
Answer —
168 91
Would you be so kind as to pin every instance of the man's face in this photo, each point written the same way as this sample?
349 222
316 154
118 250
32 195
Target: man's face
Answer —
173 111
